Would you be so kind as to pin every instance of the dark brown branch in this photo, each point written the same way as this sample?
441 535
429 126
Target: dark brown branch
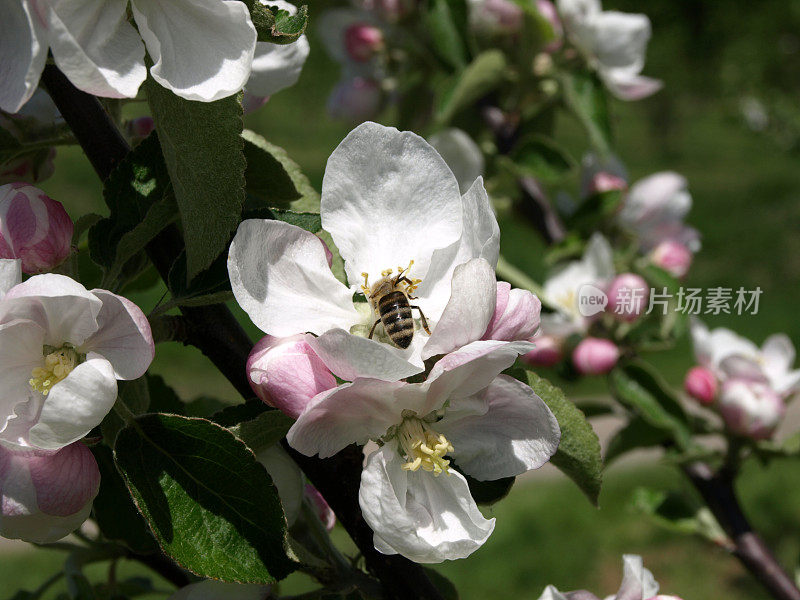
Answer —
217 333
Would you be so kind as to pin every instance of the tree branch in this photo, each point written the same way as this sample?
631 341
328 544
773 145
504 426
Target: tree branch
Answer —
217 333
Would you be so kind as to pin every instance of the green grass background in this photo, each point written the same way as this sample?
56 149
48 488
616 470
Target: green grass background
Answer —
746 189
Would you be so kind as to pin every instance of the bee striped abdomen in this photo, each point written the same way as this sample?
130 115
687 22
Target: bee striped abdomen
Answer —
395 314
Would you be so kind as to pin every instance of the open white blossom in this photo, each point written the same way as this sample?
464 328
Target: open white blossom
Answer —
638 583
614 43
391 204
201 49
492 425
461 154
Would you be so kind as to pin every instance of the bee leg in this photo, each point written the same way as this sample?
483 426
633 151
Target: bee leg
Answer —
423 319
371 331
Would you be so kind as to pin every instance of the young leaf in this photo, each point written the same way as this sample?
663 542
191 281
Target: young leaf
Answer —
211 506
266 430
543 159
578 454
445 37
202 147
638 433
276 25
585 96
211 286
479 78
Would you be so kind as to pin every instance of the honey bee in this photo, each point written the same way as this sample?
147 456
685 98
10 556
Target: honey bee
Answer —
389 298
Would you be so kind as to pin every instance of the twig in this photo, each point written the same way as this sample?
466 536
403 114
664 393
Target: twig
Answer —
217 333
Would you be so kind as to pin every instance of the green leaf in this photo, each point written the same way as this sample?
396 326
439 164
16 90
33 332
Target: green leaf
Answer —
578 454
114 510
211 505
445 37
202 147
211 286
239 413
595 209
638 433
479 78
136 398
163 398
586 98
266 430
442 584
277 25
638 388
680 513
273 189
543 159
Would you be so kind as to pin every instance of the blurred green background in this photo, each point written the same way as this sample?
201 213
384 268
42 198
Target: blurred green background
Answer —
712 56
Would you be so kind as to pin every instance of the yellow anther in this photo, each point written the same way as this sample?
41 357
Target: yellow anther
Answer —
386 272
422 447
57 365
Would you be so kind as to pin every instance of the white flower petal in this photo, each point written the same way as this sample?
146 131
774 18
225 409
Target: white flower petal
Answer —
620 40
637 582
287 477
350 356
10 274
388 198
123 338
461 154
23 53
20 352
600 258
655 199
281 278
60 305
425 518
551 593
517 433
96 48
352 413
630 87
75 405
470 309
202 49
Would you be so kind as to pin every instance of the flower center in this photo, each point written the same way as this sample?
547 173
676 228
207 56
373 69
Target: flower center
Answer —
423 447
58 363
387 283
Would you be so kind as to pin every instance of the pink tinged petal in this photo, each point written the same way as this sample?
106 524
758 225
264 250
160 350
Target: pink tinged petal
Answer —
96 47
628 296
202 49
388 198
362 42
631 87
637 582
20 352
547 353
280 277
34 228
701 384
516 315
350 356
60 305
516 434
323 510
23 53
352 413
425 518
595 356
10 274
65 481
658 197
286 373
751 409
468 312
123 338
75 405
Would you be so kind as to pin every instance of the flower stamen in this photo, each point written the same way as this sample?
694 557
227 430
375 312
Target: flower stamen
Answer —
423 447
58 363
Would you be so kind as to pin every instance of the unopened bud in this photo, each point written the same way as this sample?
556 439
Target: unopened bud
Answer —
627 297
547 353
33 227
363 41
139 128
324 511
750 408
516 314
595 356
496 17
355 100
603 182
673 257
701 384
286 373
32 167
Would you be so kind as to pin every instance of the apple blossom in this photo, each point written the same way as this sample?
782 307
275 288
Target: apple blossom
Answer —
389 201
461 154
355 99
62 350
614 43
45 495
597 170
33 227
492 425
516 314
547 353
674 257
595 356
31 167
495 16
286 373
637 584
201 49
627 297
221 590
750 408
362 42
353 38
701 384
324 512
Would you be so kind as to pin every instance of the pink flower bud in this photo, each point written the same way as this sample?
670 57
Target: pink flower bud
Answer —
496 17
251 102
750 408
548 10
355 100
362 41
548 352
603 182
33 228
595 356
140 128
627 297
516 314
286 373
32 167
701 384
673 257
324 511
